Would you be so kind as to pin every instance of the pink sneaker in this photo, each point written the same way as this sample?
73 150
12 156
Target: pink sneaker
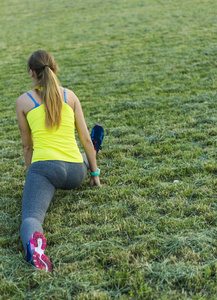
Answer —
35 252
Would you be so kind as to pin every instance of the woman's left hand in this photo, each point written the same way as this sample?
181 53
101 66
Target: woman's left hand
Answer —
94 180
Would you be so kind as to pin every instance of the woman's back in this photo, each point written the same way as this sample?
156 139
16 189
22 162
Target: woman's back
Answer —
57 143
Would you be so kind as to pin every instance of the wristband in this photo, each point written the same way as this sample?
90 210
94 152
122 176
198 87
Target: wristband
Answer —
95 173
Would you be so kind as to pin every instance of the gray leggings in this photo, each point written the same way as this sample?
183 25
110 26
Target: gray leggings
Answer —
43 177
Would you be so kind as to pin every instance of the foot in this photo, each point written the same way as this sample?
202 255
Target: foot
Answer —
35 252
97 135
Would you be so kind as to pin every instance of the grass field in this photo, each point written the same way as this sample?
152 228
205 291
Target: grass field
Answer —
145 70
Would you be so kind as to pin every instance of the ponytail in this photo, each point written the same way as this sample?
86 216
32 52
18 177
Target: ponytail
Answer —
45 68
51 98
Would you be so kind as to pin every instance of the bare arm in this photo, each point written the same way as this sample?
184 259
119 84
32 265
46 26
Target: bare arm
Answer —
25 132
85 139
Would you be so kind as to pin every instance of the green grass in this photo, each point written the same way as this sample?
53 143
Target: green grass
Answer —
145 70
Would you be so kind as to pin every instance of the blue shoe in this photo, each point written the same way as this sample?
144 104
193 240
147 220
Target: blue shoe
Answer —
97 135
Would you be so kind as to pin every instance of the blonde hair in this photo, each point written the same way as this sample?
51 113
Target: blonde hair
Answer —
44 66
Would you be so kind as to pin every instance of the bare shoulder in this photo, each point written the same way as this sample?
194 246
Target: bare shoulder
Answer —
71 94
24 96
20 98
20 102
23 104
72 99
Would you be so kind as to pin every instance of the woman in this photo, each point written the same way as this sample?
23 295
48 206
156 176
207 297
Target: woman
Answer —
47 118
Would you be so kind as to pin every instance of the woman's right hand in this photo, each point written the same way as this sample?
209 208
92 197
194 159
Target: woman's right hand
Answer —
94 180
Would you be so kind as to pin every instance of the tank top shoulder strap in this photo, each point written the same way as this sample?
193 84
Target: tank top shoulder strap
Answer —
36 103
65 96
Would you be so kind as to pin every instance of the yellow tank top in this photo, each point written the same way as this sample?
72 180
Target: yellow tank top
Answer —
57 144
